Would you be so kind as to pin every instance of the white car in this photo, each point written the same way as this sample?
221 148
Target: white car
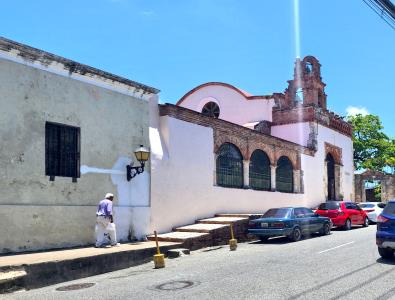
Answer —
372 209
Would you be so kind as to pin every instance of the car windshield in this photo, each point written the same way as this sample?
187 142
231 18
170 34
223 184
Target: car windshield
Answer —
329 205
366 205
389 209
277 213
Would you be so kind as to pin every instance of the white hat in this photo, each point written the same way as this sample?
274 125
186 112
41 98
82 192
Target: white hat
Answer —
109 195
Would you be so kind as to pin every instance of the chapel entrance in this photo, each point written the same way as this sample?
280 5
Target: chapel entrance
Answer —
330 167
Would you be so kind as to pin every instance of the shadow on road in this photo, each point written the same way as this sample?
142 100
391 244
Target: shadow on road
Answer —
390 261
284 240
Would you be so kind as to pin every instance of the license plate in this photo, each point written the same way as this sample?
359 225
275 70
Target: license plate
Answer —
265 225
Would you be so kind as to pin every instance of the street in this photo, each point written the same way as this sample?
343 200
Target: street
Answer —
343 265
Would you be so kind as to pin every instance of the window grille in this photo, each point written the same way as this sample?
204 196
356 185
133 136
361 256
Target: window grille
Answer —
62 151
284 175
211 109
259 171
229 166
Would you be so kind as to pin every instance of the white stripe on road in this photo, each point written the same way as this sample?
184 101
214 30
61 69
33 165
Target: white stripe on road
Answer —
336 247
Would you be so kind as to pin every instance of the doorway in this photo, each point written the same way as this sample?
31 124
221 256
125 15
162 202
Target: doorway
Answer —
330 167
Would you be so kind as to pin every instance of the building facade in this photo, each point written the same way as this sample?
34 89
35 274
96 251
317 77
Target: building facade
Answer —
223 150
67 132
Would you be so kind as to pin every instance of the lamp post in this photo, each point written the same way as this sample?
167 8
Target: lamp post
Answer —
142 155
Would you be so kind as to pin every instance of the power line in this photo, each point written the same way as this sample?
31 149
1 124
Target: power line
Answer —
385 9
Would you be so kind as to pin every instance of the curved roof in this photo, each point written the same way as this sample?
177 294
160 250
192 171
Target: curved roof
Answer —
246 95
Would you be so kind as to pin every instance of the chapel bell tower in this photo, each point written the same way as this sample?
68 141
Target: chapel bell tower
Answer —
307 88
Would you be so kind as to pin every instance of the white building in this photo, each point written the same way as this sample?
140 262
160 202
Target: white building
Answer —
220 149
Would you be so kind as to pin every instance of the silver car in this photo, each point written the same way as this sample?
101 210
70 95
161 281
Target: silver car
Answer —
372 209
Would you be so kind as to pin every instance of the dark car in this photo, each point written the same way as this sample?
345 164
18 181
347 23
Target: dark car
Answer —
385 235
343 214
292 222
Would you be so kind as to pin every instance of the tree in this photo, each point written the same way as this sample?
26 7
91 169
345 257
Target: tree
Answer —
373 149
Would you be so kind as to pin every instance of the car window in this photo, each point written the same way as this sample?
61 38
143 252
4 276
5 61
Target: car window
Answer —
349 205
381 205
389 209
299 212
366 205
307 212
277 213
355 206
328 206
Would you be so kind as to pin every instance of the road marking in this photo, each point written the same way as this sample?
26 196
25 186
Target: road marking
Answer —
336 247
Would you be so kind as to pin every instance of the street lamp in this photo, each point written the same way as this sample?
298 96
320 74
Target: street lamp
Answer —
142 155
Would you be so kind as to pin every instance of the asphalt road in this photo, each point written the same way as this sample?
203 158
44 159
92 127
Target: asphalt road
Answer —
343 265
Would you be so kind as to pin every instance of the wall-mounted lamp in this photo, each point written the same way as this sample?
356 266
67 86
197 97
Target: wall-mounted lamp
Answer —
142 155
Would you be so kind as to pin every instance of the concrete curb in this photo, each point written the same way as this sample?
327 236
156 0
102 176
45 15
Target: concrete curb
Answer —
52 272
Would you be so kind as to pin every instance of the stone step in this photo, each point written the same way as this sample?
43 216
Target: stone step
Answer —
250 216
201 227
177 236
223 220
11 280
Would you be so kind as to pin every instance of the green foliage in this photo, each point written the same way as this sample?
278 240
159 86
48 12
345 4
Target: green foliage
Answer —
373 149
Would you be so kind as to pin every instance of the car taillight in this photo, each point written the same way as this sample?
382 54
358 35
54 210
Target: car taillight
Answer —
381 219
278 225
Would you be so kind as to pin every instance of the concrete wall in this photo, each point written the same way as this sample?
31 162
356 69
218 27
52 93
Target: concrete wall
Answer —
36 213
234 107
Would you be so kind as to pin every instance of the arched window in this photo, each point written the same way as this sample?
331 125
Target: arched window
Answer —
284 175
330 167
229 166
211 109
299 97
259 171
309 67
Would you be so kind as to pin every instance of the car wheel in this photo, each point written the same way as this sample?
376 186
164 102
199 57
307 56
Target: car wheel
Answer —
365 222
263 238
386 253
347 225
296 235
326 229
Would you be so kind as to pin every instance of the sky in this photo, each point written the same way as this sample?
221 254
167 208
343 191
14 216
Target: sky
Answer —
175 45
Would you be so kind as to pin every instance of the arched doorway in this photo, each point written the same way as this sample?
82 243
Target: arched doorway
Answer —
330 167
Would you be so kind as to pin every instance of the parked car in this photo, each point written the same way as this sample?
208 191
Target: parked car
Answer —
385 235
292 222
372 209
343 214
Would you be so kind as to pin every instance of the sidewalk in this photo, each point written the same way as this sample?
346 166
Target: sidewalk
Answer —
33 270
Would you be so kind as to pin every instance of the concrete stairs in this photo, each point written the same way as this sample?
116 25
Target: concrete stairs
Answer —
209 232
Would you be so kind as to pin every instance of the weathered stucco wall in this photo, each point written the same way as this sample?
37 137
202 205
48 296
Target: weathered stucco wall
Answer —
36 213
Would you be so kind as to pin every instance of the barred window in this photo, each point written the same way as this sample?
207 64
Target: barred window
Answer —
62 151
229 166
259 171
284 175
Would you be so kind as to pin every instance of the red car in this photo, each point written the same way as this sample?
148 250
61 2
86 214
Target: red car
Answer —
343 214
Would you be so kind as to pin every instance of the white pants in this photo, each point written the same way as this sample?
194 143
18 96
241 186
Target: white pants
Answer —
103 226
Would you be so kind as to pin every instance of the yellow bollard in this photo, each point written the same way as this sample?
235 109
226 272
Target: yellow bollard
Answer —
232 241
159 259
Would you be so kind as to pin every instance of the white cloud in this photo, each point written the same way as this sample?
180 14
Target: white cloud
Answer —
353 110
